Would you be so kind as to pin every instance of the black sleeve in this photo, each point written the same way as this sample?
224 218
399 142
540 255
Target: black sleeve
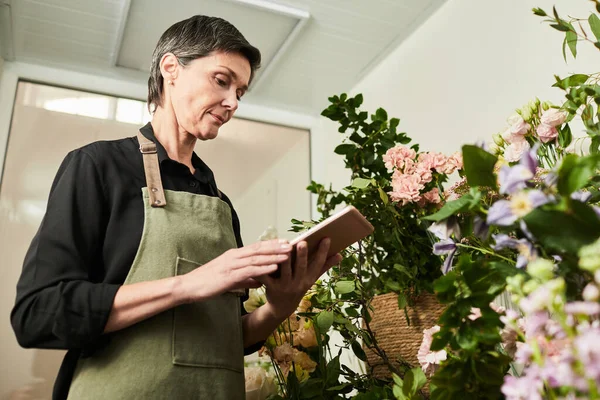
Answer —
61 302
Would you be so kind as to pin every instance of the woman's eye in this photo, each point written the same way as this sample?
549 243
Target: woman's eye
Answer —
221 82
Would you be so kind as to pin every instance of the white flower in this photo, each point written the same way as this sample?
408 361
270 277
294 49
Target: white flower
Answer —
269 234
256 298
515 150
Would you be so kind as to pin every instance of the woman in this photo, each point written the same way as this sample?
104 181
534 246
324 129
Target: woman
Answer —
138 266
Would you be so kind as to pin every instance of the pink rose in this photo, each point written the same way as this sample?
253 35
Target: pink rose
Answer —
405 188
520 128
553 117
396 157
508 137
546 133
515 150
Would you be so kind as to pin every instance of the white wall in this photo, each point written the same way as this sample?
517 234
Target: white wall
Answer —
461 74
277 196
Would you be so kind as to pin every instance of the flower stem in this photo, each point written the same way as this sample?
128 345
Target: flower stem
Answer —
486 251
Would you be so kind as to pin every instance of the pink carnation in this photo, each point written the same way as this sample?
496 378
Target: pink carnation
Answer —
424 174
396 157
432 160
553 117
433 196
405 188
427 358
546 133
453 163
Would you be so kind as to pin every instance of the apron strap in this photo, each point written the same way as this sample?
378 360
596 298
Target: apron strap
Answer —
152 170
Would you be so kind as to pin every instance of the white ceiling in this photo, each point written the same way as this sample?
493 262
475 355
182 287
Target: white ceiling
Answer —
311 48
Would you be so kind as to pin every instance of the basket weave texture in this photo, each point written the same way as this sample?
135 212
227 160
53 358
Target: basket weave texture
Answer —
394 335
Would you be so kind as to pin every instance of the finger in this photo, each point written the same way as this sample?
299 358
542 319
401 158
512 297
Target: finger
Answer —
286 269
260 260
321 256
330 262
254 271
249 283
267 247
265 280
301 263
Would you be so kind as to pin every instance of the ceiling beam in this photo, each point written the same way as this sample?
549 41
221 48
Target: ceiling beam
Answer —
302 17
7 48
114 57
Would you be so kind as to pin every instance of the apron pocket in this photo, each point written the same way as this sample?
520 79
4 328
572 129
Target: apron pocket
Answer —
208 333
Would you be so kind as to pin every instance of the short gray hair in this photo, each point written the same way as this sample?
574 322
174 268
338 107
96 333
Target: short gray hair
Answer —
194 38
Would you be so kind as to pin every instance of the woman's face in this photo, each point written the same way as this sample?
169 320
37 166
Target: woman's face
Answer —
204 95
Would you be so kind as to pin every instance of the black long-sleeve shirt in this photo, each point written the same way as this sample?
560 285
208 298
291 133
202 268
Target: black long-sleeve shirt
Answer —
86 244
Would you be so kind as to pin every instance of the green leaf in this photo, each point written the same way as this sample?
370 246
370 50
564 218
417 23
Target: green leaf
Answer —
383 196
560 27
352 312
539 12
575 172
479 166
324 321
333 370
402 302
451 208
594 22
414 380
343 287
565 137
571 38
445 282
361 183
358 351
397 380
578 228
571 81
381 114
344 149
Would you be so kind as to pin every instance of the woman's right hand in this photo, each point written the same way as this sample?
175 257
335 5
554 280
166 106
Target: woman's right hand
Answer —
234 269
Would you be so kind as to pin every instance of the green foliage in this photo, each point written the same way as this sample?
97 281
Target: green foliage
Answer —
400 237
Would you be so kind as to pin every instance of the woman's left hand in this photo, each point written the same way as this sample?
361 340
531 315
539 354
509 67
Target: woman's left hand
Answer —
285 292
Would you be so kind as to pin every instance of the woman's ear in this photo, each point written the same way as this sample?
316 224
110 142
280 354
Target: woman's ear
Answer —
169 67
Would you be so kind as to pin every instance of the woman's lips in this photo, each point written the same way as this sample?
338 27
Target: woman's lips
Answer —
218 118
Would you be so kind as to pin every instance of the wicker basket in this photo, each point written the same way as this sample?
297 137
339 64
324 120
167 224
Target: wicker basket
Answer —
394 336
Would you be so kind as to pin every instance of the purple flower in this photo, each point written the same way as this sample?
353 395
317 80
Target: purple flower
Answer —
582 308
480 228
506 212
516 177
445 247
445 229
526 250
551 179
522 388
526 231
513 178
588 350
596 210
581 196
535 323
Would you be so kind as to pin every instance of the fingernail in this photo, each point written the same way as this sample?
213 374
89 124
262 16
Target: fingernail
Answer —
283 241
286 246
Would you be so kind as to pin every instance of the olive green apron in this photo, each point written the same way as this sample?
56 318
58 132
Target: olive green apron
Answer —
193 351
